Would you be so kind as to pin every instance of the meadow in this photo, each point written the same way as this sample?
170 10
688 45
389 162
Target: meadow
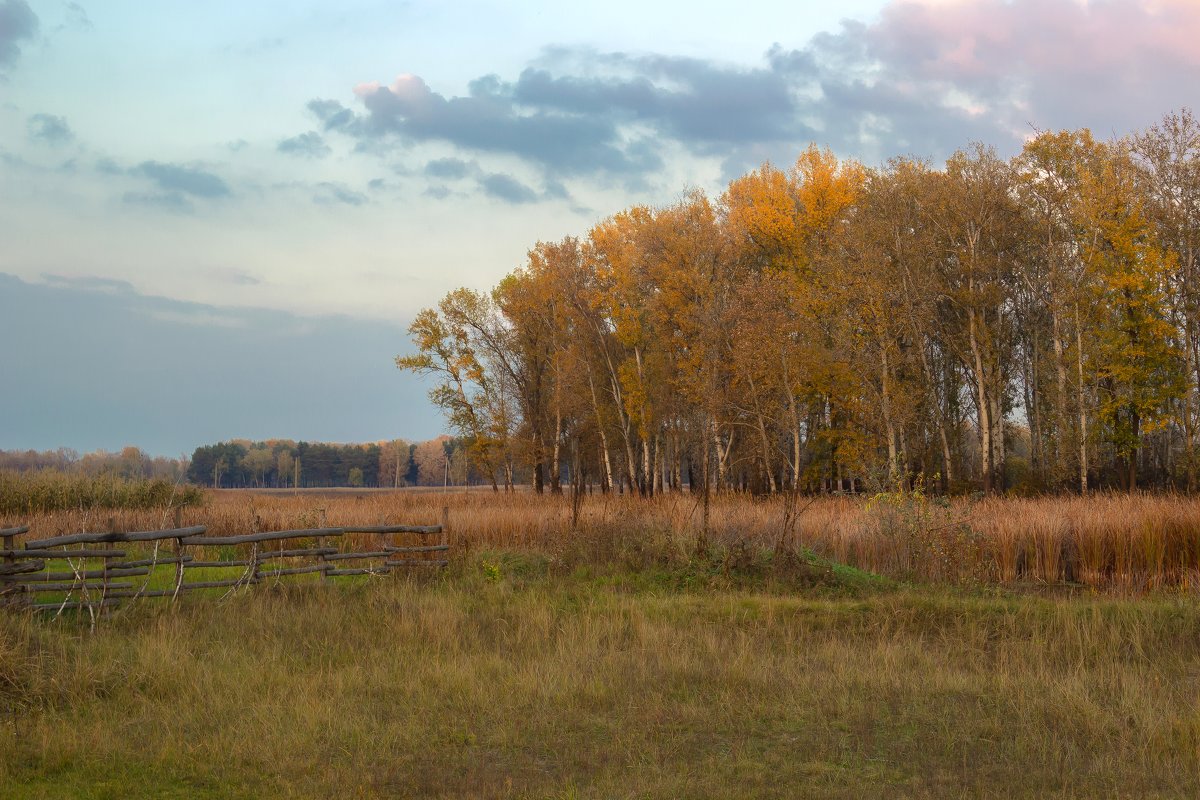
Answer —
501 679
840 648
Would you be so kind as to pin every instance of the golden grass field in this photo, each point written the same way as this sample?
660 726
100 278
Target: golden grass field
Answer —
628 656
514 682
1121 543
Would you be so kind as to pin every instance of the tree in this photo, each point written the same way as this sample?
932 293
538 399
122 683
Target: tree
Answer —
257 462
1168 160
394 462
1138 363
432 462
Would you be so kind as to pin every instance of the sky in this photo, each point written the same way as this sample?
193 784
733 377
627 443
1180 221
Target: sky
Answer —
217 220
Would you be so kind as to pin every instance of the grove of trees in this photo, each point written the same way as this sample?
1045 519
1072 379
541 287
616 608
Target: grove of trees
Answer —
1026 324
282 463
130 462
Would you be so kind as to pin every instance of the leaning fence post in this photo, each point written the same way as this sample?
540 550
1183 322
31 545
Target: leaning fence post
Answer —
179 550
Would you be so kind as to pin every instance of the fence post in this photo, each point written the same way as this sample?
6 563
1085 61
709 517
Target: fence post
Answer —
445 537
179 552
10 544
325 562
112 528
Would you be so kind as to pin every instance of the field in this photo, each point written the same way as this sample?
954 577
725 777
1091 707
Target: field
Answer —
627 655
516 683
1127 544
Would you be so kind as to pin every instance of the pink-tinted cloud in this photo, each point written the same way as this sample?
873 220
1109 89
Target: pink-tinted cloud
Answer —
924 78
1104 63
980 38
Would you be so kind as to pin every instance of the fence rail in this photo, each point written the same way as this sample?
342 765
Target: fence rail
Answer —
98 577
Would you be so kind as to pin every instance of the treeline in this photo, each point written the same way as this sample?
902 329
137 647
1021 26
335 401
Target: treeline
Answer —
282 463
1030 324
131 463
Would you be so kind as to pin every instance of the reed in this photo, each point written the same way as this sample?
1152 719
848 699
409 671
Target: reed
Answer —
45 491
1112 542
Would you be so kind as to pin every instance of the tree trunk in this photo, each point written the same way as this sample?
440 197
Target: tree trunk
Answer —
985 424
999 454
1083 462
764 440
716 437
1060 402
885 389
794 417
555 462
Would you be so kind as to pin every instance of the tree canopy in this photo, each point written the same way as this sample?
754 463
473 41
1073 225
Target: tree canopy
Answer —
1030 324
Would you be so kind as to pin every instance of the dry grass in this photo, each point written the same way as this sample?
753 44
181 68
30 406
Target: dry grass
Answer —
626 657
526 684
1117 543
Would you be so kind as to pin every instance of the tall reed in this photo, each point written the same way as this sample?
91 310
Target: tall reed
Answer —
1128 543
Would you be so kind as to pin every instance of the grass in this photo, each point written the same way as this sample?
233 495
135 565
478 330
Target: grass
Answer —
901 647
1123 544
42 491
521 674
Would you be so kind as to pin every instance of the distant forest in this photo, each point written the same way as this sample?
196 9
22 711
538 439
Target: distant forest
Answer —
129 462
276 463
282 463
1028 324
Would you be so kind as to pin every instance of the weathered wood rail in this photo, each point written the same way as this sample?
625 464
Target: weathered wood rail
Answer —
90 572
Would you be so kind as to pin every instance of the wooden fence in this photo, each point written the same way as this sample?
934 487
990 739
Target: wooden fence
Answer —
92 571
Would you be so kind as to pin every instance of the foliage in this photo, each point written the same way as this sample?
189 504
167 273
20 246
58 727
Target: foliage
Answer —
830 327
932 538
281 463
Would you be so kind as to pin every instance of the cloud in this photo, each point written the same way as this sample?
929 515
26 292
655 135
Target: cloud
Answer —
49 129
183 180
306 145
925 77
1057 63
507 188
76 19
487 120
556 191
234 275
198 317
123 367
18 24
88 283
451 169
334 193
332 114
174 202
688 99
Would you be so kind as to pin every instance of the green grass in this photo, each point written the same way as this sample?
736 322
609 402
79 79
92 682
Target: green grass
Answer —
541 678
